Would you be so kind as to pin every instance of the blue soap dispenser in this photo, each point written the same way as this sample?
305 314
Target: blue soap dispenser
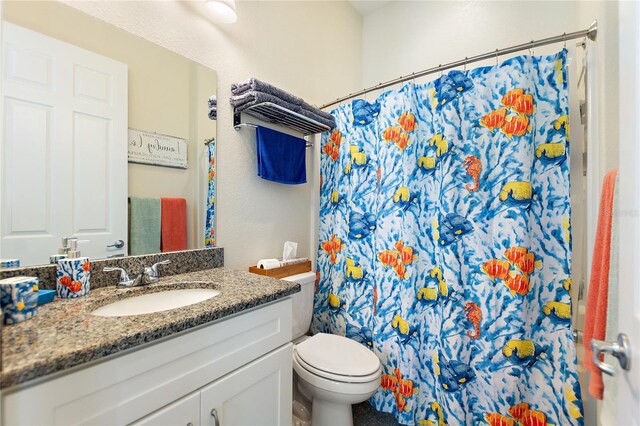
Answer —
74 273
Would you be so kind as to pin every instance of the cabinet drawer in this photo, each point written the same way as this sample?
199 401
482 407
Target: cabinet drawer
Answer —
126 388
183 412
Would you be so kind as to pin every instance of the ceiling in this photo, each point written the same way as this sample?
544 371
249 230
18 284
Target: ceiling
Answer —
365 7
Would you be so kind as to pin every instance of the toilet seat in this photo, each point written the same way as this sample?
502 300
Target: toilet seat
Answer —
336 387
337 358
336 377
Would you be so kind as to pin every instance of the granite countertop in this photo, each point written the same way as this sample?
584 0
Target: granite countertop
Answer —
64 334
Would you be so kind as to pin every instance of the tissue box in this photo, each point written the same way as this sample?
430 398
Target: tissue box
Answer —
283 271
18 298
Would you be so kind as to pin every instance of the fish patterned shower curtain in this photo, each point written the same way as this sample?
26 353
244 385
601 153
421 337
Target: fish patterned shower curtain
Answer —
445 245
210 226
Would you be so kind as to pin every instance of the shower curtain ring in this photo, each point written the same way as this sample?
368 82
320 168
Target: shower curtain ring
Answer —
564 40
413 78
531 48
465 63
496 57
440 68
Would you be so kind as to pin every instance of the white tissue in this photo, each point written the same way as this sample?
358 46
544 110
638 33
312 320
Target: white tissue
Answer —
290 250
268 263
294 261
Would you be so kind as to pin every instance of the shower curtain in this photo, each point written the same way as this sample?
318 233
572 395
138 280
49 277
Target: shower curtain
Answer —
445 245
210 225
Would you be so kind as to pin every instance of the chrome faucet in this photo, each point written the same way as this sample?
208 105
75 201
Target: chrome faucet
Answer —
149 275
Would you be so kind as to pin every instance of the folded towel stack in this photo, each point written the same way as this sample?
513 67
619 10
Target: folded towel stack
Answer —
254 91
213 107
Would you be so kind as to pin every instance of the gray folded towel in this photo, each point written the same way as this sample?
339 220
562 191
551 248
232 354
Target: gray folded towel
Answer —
255 85
252 98
317 111
213 107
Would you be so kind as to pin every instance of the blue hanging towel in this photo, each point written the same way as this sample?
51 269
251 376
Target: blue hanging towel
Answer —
281 157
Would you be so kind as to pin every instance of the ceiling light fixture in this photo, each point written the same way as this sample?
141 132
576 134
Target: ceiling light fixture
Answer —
223 10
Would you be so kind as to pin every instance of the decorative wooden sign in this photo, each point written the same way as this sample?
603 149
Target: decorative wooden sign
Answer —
157 149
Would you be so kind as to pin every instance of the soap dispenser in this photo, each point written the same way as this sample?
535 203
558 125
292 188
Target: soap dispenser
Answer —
62 251
74 273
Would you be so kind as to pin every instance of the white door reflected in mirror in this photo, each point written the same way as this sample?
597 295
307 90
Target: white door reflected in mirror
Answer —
64 170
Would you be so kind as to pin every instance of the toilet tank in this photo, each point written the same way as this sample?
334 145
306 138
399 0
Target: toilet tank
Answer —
302 302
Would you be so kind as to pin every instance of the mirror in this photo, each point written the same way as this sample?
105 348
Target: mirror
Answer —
65 171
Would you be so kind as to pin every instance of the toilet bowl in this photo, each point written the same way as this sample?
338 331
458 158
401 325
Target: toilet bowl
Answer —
332 371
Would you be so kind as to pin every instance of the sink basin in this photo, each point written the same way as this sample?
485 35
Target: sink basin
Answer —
155 302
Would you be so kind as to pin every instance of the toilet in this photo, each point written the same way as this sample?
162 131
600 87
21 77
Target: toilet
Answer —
331 371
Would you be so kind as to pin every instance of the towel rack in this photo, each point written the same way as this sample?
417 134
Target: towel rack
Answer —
253 126
274 113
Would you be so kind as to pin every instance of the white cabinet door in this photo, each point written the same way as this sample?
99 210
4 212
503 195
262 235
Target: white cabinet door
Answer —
183 412
257 394
64 147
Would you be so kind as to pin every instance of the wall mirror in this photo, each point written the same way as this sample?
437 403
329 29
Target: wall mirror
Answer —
72 87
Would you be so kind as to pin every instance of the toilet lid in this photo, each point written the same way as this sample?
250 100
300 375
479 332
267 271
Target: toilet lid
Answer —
337 355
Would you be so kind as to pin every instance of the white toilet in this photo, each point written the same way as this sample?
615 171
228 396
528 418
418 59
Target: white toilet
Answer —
332 371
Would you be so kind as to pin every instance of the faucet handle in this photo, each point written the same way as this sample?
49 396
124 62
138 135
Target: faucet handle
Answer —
124 279
153 270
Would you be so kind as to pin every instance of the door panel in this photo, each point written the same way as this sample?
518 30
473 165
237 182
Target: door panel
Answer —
91 177
256 394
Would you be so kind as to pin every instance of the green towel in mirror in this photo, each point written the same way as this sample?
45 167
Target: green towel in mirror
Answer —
144 225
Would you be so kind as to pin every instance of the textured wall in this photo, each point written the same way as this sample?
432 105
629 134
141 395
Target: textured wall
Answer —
310 48
404 36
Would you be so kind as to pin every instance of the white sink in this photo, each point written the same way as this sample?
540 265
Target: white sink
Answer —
155 302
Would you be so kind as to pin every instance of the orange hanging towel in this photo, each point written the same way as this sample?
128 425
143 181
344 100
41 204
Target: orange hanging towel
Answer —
595 322
174 224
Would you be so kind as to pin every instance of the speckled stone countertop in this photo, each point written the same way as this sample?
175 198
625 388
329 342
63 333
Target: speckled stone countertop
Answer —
64 334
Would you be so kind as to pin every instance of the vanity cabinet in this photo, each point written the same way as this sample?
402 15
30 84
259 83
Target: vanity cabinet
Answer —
240 366
256 394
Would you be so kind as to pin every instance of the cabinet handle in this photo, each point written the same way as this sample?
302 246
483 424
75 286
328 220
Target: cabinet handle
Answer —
214 414
189 424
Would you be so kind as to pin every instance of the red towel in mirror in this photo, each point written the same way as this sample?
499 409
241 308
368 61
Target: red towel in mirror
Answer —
174 224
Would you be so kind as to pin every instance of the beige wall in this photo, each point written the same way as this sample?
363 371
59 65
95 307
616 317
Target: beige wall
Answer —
167 95
309 48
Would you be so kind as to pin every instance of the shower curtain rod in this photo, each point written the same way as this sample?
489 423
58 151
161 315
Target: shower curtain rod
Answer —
590 33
